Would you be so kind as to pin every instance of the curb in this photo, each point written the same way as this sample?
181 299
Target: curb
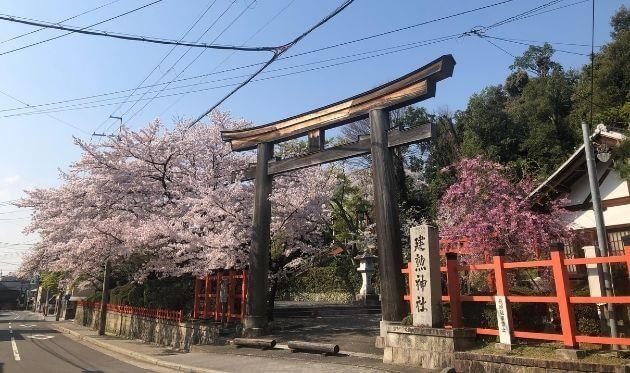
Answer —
136 355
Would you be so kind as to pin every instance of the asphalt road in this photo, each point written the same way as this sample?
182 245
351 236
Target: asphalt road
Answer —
28 345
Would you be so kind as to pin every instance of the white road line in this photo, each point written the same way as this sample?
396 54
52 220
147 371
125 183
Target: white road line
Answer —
16 353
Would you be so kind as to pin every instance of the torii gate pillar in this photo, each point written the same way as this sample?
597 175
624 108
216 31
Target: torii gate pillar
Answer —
256 314
387 220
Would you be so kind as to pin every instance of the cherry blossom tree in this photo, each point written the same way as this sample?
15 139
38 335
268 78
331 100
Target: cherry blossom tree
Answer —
491 212
165 202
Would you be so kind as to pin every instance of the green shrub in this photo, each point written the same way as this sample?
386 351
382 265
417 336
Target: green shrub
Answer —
339 276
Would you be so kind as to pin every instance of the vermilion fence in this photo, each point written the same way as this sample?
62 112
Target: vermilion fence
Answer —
208 305
563 297
155 313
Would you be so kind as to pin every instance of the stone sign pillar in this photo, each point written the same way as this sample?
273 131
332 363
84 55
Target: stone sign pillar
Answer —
366 269
427 343
425 282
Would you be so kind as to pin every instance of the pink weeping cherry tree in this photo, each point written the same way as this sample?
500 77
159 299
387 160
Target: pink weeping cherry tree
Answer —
486 208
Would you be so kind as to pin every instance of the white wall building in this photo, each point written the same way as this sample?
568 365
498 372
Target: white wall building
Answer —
571 180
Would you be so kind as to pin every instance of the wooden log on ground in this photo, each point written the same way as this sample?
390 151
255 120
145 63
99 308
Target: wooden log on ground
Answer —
322 348
254 342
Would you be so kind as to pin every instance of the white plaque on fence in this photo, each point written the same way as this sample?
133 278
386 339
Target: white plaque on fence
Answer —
503 319
425 281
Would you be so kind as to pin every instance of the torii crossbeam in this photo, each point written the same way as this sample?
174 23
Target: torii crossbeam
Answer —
374 104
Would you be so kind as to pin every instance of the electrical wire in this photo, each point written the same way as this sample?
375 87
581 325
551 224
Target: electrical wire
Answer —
392 50
197 57
260 29
178 60
275 56
81 29
283 57
60 22
74 107
528 44
206 10
108 34
48 115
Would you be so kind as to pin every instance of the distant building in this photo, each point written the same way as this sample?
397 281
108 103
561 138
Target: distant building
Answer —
12 292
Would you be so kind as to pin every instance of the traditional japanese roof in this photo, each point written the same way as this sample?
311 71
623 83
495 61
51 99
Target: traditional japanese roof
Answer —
574 167
408 89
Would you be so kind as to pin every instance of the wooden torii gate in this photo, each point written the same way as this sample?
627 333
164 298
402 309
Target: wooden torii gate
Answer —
374 104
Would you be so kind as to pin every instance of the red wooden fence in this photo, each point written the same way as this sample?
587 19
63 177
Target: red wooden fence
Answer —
155 313
207 304
563 297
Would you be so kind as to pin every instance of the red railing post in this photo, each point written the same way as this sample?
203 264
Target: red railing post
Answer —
206 297
408 297
218 311
626 251
452 285
243 295
231 295
501 284
196 300
563 290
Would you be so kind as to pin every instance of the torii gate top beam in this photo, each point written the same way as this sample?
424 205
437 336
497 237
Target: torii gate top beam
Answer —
406 90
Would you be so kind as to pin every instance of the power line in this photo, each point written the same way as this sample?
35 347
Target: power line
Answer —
81 29
77 106
285 57
540 11
392 50
179 59
552 42
199 55
522 14
528 44
108 34
48 115
62 21
402 28
158 64
269 21
275 56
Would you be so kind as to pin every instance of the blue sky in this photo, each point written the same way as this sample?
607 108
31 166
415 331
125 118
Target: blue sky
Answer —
34 147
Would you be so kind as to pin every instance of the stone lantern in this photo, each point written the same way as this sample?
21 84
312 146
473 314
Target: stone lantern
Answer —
366 269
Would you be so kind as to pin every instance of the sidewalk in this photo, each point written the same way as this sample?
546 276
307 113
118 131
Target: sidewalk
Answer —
229 359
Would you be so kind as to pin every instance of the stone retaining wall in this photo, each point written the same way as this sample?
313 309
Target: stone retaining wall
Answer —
162 332
486 363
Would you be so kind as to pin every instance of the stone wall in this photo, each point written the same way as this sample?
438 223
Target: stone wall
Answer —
486 363
162 332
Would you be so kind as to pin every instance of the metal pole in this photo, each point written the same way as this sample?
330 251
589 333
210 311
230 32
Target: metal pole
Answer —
602 240
104 299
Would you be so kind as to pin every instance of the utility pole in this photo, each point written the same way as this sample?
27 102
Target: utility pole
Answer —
602 240
58 307
46 303
105 298
103 134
